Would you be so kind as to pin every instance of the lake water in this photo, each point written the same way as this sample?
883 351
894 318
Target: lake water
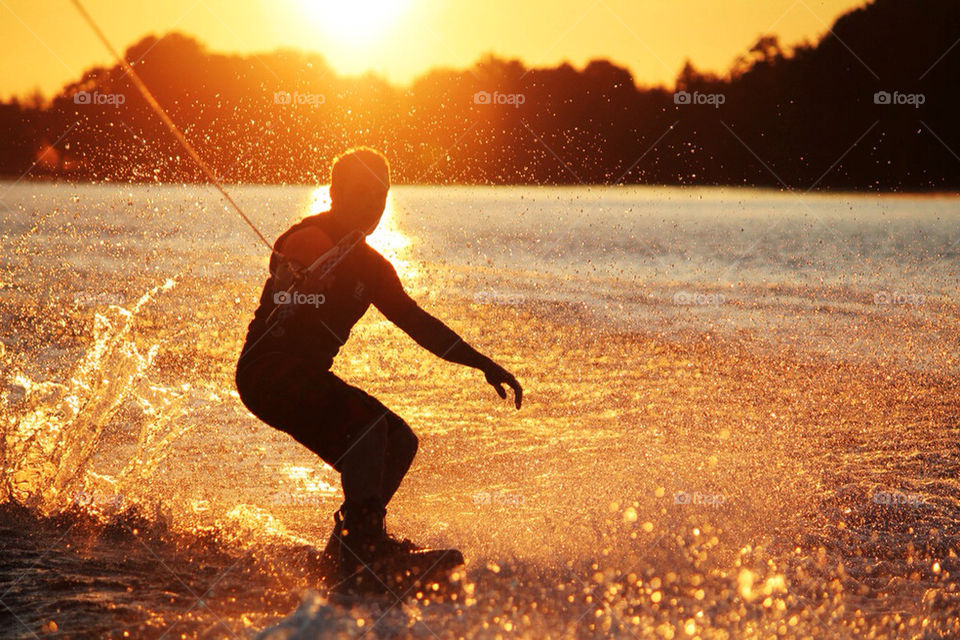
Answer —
741 415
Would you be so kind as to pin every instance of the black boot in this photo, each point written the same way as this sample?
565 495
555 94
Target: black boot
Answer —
373 562
360 544
330 558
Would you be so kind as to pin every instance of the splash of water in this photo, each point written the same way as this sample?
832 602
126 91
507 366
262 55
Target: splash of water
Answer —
53 429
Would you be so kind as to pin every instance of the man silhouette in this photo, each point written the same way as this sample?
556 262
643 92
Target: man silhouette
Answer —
323 277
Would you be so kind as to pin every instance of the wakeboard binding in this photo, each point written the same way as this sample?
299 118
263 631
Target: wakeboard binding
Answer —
362 559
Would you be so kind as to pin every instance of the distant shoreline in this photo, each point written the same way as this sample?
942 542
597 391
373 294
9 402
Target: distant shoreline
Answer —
826 190
869 108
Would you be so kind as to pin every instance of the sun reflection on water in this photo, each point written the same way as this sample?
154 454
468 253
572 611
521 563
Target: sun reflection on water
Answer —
388 239
308 480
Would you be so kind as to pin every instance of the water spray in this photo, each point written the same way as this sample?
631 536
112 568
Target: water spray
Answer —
148 96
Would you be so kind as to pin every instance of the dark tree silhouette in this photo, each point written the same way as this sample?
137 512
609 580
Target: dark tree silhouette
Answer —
802 118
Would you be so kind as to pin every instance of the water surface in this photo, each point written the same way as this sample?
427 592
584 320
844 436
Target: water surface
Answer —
741 414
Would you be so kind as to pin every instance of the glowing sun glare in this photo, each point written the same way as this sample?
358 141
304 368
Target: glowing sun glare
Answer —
388 239
354 20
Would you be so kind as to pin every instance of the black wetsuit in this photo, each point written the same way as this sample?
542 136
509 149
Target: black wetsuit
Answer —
283 374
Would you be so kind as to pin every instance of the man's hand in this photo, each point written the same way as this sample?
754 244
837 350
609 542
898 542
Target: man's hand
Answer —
431 334
498 376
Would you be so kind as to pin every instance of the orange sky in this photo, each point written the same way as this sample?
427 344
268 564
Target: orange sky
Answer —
45 44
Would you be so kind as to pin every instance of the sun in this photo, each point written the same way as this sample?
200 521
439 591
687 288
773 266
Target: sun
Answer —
354 21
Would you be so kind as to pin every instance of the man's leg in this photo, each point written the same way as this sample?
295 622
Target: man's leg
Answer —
380 451
378 454
402 445
362 464
370 446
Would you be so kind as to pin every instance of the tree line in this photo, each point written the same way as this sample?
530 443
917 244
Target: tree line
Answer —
871 106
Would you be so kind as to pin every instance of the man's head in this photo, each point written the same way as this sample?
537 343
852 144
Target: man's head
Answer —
359 183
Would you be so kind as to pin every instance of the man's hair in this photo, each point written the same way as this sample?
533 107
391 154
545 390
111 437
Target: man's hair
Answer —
357 162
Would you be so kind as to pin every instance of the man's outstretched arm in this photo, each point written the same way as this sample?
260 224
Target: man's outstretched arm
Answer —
436 337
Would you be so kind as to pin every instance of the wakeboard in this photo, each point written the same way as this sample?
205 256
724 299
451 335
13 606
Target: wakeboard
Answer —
400 576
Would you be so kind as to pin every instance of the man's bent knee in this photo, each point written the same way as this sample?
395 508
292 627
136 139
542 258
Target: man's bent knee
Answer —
406 442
